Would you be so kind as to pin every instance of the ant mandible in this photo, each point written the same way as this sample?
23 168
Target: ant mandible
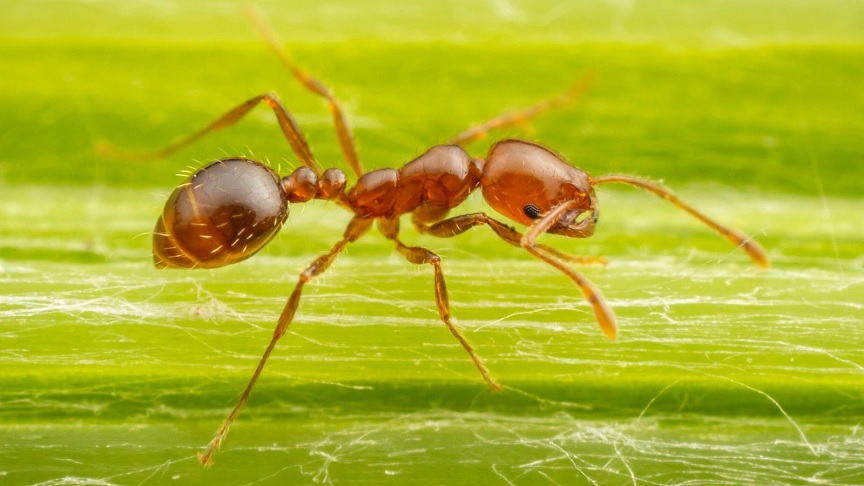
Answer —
230 209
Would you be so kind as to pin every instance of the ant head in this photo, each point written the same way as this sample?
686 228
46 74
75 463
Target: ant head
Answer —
523 181
224 213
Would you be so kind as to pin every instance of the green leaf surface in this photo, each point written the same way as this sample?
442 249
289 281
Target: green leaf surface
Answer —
112 372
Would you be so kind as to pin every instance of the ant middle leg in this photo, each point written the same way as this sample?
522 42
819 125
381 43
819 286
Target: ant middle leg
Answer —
356 228
286 121
420 256
340 121
478 132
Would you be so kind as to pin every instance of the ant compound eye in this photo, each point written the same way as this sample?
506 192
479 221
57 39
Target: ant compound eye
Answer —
531 210
222 214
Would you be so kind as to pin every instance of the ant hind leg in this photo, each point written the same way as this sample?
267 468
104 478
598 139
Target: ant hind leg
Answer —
286 121
356 228
340 121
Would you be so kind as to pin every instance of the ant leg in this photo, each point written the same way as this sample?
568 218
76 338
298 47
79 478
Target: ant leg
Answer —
602 312
286 122
459 224
356 228
478 132
753 249
420 256
340 122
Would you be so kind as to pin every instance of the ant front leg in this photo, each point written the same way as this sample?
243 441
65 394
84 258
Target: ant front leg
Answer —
459 224
602 312
420 256
356 228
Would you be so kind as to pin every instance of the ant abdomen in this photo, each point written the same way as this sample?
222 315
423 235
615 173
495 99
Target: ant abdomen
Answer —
222 214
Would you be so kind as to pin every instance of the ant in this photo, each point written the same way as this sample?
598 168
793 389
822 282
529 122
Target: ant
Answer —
231 208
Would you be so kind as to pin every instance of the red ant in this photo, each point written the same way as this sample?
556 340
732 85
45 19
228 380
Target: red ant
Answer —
230 209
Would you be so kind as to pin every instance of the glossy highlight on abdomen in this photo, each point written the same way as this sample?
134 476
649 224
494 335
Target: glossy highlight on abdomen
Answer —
224 213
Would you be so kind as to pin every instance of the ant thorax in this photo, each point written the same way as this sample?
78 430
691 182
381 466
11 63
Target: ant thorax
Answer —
441 178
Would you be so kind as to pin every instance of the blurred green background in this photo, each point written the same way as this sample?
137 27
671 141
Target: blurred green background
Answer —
114 373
